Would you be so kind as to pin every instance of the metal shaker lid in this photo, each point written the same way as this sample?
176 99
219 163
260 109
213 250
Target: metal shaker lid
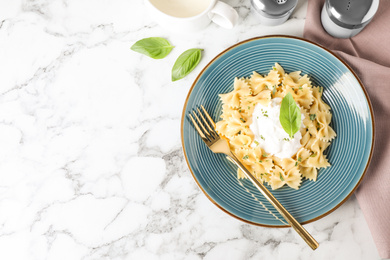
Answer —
274 8
351 14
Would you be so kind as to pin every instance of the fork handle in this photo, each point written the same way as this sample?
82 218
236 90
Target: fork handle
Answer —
279 207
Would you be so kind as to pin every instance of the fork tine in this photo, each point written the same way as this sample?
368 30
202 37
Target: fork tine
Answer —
198 129
205 121
212 130
212 133
202 126
208 116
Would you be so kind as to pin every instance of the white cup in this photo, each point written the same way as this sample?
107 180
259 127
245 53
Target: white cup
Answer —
191 15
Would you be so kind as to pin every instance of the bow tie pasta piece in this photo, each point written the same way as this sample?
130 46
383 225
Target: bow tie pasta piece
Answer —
260 83
325 133
248 103
295 80
309 173
240 140
302 95
318 103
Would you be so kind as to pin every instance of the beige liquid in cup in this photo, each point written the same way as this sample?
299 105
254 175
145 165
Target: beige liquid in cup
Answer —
181 8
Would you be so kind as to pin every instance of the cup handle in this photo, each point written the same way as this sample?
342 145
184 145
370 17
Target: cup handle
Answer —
224 15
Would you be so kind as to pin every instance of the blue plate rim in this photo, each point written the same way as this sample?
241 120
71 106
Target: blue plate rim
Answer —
183 117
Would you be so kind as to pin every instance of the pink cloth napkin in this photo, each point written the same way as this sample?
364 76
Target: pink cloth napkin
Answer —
368 53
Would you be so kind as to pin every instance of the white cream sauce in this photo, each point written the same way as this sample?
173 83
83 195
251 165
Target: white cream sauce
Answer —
269 133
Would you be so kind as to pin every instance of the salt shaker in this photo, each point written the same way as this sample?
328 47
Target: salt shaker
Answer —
273 12
346 18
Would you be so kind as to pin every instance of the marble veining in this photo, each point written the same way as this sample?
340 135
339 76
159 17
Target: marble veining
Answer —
91 164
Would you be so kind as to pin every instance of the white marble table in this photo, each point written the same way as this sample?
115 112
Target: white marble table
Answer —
91 163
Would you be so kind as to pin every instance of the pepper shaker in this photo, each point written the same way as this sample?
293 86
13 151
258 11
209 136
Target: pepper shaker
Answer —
273 12
346 18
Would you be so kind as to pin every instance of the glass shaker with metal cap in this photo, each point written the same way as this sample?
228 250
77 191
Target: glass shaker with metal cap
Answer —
346 18
273 12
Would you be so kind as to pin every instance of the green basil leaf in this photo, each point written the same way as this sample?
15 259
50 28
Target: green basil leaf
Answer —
185 63
290 115
154 47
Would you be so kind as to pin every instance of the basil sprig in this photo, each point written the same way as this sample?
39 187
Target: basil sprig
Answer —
185 63
290 115
154 47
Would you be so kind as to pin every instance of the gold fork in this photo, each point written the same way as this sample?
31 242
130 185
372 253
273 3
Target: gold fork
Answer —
220 145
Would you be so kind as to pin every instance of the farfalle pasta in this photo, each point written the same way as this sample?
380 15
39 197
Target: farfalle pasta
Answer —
237 109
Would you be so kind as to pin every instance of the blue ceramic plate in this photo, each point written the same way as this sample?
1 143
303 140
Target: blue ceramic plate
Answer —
349 154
